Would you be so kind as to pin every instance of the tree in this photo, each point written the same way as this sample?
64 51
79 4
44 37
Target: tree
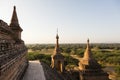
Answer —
117 69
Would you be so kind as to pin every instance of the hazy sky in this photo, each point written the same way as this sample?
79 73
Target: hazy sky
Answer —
76 20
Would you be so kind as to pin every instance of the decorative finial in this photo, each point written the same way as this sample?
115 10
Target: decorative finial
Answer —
88 43
14 7
57 37
88 40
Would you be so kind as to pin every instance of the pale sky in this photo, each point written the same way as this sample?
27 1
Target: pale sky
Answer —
76 20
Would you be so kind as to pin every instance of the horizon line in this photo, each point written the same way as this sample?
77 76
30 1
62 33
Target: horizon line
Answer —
79 43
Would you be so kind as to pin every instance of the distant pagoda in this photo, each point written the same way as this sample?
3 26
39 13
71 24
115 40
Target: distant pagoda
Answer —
57 61
89 68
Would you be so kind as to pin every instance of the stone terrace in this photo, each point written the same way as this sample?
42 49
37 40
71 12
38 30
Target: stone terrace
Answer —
34 71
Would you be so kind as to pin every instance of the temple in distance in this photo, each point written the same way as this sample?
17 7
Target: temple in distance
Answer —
89 68
57 61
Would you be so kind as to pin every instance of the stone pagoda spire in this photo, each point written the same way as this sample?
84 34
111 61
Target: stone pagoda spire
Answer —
14 25
57 50
57 59
14 20
90 68
87 53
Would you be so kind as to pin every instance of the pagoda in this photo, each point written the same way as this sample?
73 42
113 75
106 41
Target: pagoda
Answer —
89 68
15 27
57 61
13 60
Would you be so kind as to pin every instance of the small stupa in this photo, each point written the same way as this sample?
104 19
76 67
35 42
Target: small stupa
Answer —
89 68
57 61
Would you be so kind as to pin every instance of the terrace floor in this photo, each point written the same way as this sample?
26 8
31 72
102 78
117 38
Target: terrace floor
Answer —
34 71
